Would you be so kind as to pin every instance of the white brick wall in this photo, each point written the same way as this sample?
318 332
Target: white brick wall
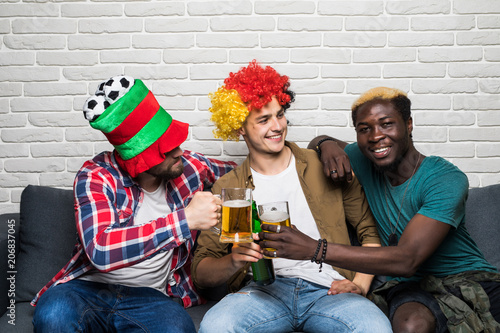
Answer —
444 53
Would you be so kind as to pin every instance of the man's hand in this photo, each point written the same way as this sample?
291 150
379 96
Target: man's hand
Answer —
204 211
213 272
290 243
344 286
242 253
335 161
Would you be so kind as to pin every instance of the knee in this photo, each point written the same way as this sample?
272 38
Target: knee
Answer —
215 322
413 322
209 324
49 319
413 325
373 320
54 315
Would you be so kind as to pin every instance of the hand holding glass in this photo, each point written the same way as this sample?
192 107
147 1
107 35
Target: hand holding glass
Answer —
274 213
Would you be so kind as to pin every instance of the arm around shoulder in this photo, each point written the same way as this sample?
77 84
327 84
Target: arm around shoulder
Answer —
335 161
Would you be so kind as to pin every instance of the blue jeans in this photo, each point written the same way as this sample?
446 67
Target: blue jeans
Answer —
293 305
85 306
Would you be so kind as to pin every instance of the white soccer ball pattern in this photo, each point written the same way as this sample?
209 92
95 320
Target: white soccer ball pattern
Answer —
94 106
116 87
107 93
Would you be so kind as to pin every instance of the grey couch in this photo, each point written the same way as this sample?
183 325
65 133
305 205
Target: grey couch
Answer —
39 240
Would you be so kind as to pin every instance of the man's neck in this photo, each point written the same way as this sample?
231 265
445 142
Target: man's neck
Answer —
148 182
270 164
406 168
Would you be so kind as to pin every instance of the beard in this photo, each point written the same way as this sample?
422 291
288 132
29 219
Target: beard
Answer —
393 167
167 173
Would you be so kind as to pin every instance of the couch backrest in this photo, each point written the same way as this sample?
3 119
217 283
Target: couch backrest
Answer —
482 218
47 237
48 232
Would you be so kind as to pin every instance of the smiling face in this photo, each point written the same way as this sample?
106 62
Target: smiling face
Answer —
265 130
382 134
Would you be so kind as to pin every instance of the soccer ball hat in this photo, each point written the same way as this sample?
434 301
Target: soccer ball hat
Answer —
134 123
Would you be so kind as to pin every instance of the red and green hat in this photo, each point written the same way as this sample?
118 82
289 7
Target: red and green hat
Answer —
140 129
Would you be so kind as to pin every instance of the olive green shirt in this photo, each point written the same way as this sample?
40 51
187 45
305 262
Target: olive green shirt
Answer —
331 204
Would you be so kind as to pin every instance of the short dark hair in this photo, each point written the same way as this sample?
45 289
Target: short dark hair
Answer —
292 99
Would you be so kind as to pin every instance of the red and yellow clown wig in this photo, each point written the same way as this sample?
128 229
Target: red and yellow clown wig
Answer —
252 87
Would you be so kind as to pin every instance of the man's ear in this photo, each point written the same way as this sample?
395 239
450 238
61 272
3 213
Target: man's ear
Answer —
409 125
241 131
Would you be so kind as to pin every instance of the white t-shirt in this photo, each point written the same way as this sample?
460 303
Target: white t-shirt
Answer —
285 186
153 272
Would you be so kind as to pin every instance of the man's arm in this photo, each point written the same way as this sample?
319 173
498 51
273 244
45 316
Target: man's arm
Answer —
364 280
359 285
333 157
314 142
108 242
420 239
212 272
213 169
214 263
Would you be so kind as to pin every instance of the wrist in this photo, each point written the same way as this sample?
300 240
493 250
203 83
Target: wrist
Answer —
318 145
315 255
236 263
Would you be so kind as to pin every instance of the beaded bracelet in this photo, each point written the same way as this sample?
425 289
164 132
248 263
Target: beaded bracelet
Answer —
323 255
317 251
318 151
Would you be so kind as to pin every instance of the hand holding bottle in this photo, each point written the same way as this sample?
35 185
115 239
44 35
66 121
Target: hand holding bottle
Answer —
245 252
263 269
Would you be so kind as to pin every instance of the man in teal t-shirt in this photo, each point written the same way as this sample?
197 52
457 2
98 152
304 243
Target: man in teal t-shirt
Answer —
438 278
437 190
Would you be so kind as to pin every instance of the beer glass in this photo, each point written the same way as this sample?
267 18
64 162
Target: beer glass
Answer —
274 213
236 215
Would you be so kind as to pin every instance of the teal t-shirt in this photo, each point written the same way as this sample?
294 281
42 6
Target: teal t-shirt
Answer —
438 190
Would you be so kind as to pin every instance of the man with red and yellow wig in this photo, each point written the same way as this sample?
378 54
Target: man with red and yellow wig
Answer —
252 104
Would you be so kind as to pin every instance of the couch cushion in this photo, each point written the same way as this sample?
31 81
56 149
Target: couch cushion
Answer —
197 312
47 236
482 218
9 240
23 319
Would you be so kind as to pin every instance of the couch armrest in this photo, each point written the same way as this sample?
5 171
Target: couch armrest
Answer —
9 247
481 220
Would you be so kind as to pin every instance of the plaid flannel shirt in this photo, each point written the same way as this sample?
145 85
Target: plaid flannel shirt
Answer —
106 202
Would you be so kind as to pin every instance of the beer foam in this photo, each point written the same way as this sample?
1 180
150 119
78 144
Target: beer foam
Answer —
236 203
274 216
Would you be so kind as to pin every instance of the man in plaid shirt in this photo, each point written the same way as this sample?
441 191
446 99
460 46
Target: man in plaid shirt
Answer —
138 212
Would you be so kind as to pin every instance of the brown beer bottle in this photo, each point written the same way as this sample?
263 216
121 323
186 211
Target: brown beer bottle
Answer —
263 270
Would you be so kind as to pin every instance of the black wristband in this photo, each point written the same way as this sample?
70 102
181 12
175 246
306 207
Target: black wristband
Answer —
323 255
318 151
317 251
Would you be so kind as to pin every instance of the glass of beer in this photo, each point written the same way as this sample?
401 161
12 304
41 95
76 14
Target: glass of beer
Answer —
274 213
236 215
